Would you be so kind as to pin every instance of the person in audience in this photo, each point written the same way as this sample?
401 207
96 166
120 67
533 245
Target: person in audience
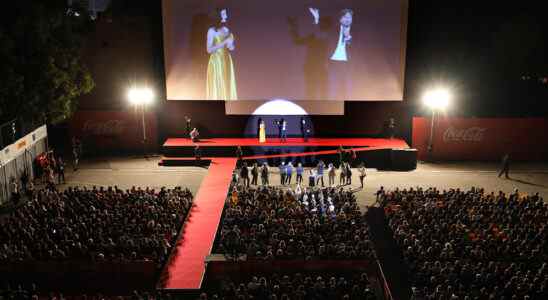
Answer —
14 186
299 171
24 180
265 174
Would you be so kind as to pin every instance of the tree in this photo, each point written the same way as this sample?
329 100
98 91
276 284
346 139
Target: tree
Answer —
41 70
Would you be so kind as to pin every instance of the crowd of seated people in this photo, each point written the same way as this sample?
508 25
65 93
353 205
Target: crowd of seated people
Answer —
295 286
98 224
275 223
32 292
471 244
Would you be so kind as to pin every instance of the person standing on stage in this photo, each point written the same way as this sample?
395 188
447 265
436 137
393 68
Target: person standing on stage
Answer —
188 122
244 174
362 173
262 132
194 135
284 131
280 123
289 173
282 173
254 174
505 166
331 172
239 155
299 171
264 174
320 167
304 128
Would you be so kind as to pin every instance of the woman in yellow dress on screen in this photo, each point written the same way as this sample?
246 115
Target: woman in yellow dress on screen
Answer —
221 81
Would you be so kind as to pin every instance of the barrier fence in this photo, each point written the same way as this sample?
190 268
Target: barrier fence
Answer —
18 158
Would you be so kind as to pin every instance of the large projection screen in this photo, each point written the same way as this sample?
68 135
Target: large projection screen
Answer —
287 49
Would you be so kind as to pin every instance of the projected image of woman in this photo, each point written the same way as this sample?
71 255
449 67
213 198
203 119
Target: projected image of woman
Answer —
221 81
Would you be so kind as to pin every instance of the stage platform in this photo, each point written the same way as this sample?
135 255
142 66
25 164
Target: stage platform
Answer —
171 143
376 152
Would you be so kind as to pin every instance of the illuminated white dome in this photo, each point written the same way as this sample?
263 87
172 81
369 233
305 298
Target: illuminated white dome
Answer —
279 107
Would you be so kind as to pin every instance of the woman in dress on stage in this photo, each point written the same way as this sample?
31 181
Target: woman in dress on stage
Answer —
221 79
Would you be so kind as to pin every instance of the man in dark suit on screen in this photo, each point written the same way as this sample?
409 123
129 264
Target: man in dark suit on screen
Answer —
339 39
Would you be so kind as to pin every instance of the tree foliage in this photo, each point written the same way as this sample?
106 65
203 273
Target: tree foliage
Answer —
41 70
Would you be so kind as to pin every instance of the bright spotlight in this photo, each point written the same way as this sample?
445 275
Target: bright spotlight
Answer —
437 99
138 96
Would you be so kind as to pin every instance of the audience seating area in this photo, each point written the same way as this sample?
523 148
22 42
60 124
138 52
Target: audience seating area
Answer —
269 223
471 244
95 224
318 286
456 244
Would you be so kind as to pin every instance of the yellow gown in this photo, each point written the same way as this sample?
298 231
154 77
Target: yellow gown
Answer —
221 82
262 133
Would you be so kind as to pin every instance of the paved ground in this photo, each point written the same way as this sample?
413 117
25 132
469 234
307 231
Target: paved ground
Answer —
126 172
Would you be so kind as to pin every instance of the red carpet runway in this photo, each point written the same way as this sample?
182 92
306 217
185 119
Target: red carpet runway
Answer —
312 142
186 268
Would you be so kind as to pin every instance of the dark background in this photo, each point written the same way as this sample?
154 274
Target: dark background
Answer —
491 55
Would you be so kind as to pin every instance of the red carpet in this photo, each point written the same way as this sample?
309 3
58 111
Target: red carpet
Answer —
186 268
312 142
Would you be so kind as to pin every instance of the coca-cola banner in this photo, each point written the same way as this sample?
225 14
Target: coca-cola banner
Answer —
114 130
482 138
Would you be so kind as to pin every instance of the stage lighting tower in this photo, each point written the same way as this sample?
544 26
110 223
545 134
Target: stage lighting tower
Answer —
437 100
140 97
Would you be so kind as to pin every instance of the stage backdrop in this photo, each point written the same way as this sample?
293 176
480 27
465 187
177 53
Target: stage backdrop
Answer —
482 138
105 131
278 53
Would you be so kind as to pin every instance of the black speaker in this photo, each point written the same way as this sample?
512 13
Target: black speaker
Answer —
403 159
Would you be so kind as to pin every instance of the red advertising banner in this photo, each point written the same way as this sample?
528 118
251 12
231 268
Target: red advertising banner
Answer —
115 130
482 138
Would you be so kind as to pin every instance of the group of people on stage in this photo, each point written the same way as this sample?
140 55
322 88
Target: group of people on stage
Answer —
283 127
250 174
281 123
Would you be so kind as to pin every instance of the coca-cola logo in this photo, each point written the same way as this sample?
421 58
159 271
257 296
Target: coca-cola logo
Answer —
471 134
110 127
